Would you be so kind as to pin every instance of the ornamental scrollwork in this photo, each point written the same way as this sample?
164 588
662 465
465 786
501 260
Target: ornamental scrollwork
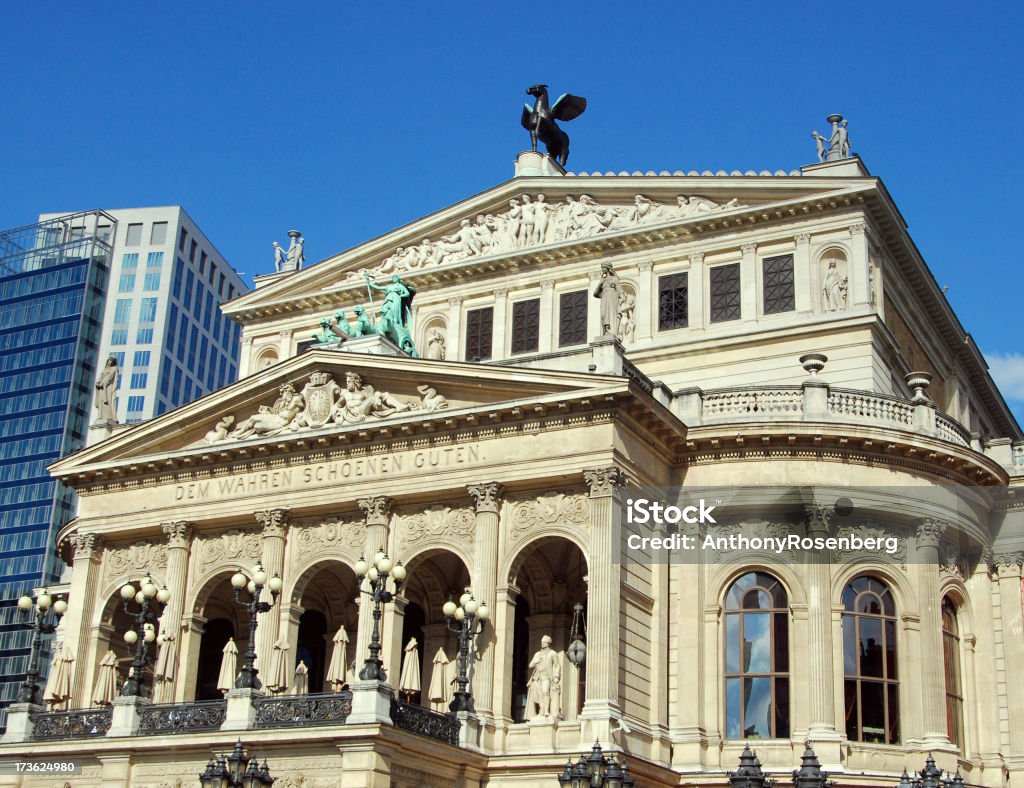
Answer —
322 536
548 510
487 497
127 559
436 522
230 546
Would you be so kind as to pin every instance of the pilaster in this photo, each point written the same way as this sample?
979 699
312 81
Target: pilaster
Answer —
1008 569
593 311
453 341
499 343
88 548
859 272
646 307
274 523
933 681
696 280
487 499
748 282
548 327
803 286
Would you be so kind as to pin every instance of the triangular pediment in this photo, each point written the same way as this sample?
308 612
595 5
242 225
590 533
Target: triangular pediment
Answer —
500 229
321 393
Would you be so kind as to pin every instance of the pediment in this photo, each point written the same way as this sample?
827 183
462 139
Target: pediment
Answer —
321 393
541 220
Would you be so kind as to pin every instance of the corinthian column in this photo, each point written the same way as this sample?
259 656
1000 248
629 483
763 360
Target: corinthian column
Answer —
933 677
179 536
820 678
81 598
487 498
377 509
1008 567
275 527
603 601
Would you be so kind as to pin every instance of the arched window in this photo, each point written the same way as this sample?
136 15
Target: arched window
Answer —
871 684
756 658
954 688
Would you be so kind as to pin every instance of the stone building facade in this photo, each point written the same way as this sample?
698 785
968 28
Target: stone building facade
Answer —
500 460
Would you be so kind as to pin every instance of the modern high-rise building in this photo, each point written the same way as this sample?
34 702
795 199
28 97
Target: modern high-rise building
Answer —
143 285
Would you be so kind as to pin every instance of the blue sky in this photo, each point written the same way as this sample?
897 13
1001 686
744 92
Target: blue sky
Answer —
347 120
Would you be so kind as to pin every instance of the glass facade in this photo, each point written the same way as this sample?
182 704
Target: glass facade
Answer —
52 288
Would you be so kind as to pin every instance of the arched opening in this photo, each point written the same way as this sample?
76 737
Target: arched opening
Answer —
267 358
550 574
871 679
114 623
329 620
216 634
951 663
218 617
434 339
434 577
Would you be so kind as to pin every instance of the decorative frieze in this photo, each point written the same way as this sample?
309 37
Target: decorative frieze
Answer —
538 514
134 558
323 536
230 546
435 522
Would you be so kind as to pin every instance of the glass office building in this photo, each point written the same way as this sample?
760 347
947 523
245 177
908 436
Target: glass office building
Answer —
53 281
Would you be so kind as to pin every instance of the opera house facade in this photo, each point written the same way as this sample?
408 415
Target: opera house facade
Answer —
527 361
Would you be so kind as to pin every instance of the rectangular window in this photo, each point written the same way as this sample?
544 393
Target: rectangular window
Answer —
190 280
141 359
779 295
725 292
119 336
120 358
139 380
202 262
147 314
130 261
179 274
133 237
526 326
144 336
123 310
176 391
126 283
172 321
479 331
192 252
220 287
213 273
181 239
158 234
572 318
136 404
151 282
155 260
673 301
103 232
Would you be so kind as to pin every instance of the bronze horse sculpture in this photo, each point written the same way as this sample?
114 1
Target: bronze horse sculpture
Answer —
540 120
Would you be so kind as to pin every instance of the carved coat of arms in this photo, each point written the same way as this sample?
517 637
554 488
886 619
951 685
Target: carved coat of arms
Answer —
320 394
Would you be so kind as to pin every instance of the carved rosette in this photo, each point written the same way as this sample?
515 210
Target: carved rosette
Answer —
377 509
274 522
325 536
819 519
604 481
487 497
178 533
539 514
130 559
229 547
435 522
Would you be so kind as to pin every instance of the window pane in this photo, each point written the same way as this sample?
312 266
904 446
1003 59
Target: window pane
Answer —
732 708
870 647
732 644
894 714
134 235
757 708
872 710
778 284
725 292
757 651
158 234
526 326
572 318
673 301
890 649
479 330
781 643
849 646
781 709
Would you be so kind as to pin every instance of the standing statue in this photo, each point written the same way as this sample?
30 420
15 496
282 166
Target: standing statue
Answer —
435 345
396 312
834 288
627 323
279 257
544 687
296 254
540 120
106 392
821 142
609 290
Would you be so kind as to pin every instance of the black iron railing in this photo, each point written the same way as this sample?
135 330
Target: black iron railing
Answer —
167 718
326 708
73 724
425 722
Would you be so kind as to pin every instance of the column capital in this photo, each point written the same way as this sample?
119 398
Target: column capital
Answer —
178 533
1006 564
285 333
247 341
486 496
455 301
929 530
802 238
819 519
273 521
501 292
748 248
547 284
604 482
696 258
646 265
377 508
86 544
860 228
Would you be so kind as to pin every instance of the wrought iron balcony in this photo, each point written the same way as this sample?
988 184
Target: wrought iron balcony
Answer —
326 708
409 717
73 724
171 718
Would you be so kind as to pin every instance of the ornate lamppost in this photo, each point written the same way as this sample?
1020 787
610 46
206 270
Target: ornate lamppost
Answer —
749 774
45 615
236 770
378 572
247 677
596 770
810 775
150 602
467 619
931 777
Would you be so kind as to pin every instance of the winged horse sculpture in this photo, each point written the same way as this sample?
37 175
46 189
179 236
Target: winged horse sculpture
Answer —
540 119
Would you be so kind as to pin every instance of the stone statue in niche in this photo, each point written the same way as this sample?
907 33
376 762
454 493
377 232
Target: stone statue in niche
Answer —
435 345
609 290
106 392
627 323
543 694
835 286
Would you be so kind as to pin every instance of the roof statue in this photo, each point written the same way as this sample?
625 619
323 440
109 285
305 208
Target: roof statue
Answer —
395 312
294 257
105 400
837 145
540 120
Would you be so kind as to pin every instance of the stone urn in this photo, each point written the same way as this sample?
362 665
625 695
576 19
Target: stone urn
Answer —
813 363
919 381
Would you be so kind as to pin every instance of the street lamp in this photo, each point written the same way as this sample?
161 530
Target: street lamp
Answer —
45 615
236 770
810 775
577 651
749 775
247 677
930 777
467 619
150 602
373 666
596 770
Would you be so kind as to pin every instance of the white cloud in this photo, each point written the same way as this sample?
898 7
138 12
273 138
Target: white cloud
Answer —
1008 371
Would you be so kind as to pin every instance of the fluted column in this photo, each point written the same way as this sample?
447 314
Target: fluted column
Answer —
646 306
821 676
454 346
377 510
275 527
487 498
603 600
179 537
1008 567
81 599
933 678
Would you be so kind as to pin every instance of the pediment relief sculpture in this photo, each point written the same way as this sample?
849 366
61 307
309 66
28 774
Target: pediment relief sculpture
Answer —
532 221
321 402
